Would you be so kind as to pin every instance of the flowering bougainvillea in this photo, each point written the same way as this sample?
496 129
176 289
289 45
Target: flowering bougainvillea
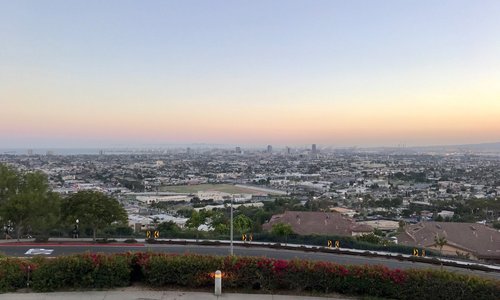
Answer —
265 274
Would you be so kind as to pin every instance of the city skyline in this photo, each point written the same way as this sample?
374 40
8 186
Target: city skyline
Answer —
365 73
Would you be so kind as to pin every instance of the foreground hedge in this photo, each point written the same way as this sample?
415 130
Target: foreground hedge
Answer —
14 273
239 273
82 271
307 276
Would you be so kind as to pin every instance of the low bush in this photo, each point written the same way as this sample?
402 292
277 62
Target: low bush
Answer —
181 270
433 284
14 273
83 271
302 275
240 273
271 275
345 242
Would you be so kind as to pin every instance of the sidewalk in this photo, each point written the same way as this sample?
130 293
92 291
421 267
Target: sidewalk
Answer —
152 295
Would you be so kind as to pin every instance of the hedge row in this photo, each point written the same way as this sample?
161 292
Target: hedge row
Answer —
239 273
82 271
345 242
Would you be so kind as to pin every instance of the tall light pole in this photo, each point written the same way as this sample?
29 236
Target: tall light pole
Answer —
76 233
232 198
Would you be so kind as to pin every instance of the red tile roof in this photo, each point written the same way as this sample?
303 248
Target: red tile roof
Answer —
472 237
321 223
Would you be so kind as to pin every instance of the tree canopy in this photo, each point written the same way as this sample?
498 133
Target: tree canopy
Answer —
282 229
440 241
196 219
93 209
242 223
26 201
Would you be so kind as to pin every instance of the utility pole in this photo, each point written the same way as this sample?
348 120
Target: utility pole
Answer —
232 250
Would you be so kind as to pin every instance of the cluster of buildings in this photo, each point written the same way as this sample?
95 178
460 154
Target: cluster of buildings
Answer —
352 190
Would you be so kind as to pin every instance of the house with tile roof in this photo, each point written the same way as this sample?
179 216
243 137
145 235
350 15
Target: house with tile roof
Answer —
319 223
477 240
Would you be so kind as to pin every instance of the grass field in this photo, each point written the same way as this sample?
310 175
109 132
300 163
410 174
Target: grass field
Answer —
226 188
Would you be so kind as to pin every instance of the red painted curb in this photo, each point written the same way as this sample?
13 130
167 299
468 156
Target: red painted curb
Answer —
69 244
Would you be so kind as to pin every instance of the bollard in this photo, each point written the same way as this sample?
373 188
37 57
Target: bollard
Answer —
28 281
218 283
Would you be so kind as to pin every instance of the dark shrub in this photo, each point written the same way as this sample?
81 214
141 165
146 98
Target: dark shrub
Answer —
184 270
83 271
244 273
14 273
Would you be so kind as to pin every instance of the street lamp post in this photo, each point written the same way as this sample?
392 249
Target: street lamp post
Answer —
232 198
76 228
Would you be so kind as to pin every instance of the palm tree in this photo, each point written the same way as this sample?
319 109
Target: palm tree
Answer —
440 241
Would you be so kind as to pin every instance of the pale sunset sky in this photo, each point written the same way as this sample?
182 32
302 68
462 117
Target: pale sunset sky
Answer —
336 73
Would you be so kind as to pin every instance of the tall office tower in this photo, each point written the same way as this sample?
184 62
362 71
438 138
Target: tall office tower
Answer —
238 150
101 152
314 151
288 150
30 152
188 150
269 148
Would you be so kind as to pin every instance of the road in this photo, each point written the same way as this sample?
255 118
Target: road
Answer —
22 250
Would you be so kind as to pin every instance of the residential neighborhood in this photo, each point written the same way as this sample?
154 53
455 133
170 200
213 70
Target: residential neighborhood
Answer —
407 197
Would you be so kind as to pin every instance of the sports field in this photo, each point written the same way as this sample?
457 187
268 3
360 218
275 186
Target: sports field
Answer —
226 188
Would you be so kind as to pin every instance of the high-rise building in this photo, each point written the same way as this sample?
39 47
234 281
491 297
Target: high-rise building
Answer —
313 149
30 152
238 150
288 150
269 148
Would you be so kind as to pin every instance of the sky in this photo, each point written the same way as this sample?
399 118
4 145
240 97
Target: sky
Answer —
335 73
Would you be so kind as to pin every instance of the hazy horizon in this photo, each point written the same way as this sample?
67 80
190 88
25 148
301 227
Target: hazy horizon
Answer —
336 73
276 147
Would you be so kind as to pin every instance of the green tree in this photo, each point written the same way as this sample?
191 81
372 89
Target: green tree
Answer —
9 182
220 222
93 209
440 241
282 229
242 224
168 228
222 229
196 219
26 202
